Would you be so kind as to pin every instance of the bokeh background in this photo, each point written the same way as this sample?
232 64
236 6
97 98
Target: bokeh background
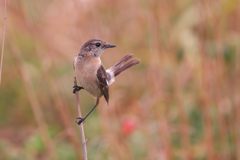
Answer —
181 102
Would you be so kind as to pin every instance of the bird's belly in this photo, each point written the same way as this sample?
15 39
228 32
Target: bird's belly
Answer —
88 80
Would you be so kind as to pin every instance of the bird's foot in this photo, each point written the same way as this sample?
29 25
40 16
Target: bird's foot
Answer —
77 88
80 120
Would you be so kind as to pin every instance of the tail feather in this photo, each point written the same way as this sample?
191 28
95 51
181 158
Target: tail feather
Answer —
122 61
126 66
120 67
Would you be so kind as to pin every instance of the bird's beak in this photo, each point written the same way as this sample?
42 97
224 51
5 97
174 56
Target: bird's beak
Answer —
109 46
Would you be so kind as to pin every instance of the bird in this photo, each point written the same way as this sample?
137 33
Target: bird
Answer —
92 75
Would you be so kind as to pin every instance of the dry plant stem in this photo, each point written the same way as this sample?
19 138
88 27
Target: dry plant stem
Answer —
64 115
81 125
59 103
4 28
34 102
204 89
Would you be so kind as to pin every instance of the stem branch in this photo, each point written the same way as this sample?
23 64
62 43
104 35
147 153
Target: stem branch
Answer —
81 125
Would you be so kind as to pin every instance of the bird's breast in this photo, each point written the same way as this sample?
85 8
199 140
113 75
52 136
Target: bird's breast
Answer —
86 72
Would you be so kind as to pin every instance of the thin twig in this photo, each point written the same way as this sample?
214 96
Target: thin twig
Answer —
81 125
5 18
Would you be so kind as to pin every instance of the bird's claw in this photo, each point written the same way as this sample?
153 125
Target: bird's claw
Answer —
80 120
77 88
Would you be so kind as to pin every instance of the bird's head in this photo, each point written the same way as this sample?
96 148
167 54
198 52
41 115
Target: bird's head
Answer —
94 47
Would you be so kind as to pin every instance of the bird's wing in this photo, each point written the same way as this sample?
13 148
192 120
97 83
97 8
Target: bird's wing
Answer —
103 82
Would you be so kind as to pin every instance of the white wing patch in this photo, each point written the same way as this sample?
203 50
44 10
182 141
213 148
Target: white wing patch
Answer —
111 79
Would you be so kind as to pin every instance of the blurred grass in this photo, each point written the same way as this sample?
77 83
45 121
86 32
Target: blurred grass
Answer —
181 102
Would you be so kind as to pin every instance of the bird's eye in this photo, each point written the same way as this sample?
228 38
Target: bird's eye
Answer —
98 44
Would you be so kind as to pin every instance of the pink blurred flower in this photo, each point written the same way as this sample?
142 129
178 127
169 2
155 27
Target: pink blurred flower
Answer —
128 126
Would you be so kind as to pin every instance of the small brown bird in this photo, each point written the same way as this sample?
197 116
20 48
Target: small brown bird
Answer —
91 74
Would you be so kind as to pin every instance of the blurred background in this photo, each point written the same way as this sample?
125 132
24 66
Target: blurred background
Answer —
181 102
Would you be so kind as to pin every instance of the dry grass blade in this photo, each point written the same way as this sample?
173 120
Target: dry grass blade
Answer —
5 18
35 104
81 125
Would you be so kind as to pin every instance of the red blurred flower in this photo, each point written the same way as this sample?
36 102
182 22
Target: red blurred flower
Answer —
128 126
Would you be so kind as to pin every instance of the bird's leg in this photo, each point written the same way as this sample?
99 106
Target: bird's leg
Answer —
82 119
77 88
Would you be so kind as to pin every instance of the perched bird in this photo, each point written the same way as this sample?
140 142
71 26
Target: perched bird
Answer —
91 74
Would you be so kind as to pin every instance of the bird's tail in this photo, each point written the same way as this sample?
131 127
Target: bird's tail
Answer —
121 66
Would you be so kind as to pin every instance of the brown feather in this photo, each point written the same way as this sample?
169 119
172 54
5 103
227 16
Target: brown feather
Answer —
122 65
102 79
122 61
126 66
